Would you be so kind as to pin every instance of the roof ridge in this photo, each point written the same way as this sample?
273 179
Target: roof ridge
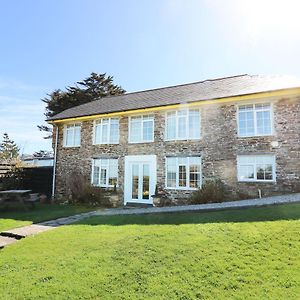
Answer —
183 84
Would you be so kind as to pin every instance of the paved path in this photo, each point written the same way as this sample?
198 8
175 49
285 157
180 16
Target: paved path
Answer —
10 236
203 207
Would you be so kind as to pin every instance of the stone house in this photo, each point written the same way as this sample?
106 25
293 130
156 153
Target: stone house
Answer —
244 130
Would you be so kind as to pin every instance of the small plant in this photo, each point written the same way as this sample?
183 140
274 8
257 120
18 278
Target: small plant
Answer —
82 192
210 192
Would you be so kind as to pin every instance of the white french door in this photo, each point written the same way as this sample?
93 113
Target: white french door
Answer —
140 178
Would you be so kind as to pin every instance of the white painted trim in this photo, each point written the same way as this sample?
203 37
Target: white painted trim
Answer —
254 164
182 188
253 103
65 135
130 159
142 126
108 133
166 139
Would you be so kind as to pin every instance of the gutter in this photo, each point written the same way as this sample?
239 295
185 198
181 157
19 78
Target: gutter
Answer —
54 161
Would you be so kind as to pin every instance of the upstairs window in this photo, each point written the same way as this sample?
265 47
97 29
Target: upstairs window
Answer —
106 131
183 172
105 172
183 125
256 168
141 129
254 120
72 135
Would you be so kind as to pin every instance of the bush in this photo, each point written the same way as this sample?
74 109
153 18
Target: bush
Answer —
211 191
82 192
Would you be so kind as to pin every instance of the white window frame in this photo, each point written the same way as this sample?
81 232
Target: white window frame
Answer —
142 128
73 145
255 119
108 131
177 125
177 187
106 185
254 164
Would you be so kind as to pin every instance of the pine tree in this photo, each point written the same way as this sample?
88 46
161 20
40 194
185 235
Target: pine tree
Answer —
94 87
8 148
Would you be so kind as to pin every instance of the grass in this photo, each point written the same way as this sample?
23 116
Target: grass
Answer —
233 254
16 216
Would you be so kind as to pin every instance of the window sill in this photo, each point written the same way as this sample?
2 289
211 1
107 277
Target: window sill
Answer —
257 181
182 188
105 144
183 140
71 146
255 136
143 142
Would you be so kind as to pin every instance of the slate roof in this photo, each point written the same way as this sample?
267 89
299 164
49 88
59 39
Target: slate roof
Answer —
179 94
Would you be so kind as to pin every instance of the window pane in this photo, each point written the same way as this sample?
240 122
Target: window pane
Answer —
103 175
113 172
96 173
182 130
146 174
171 171
194 124
171 126
97 134
148 130
114 131
135 181
135 130
246 172
246 123
263 119
69 137
182 176
77 136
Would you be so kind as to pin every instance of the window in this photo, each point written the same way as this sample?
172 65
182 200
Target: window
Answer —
256 168
141 129
183 172
254 120
105 172
106 131
183 124
72 134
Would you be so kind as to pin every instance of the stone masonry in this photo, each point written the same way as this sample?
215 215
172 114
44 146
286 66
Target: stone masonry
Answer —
218 147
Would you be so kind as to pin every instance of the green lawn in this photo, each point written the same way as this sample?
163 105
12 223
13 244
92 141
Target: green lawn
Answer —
16 216
234 254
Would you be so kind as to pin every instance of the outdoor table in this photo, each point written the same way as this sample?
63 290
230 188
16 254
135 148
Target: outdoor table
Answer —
14 195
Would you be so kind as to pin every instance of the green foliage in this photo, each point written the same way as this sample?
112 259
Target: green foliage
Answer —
94 87
82 192
8 148
233 254
210 192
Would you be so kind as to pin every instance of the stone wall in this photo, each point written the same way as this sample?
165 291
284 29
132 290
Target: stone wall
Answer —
219 146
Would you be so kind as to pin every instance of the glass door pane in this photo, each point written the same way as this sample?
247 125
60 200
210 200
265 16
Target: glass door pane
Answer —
146 174
135 181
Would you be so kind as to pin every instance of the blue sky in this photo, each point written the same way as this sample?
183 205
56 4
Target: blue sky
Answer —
143 43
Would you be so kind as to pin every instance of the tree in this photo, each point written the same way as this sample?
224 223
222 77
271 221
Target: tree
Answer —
94 87
8 148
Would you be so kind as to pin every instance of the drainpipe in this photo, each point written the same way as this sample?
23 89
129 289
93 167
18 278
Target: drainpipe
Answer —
54 161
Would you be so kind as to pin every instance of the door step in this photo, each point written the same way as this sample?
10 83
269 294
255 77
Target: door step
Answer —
135 205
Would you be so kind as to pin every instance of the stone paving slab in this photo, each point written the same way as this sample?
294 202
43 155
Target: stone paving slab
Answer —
290 198
4 241
25 231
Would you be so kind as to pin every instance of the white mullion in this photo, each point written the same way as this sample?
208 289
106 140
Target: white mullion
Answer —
108 131
177 173
187 131
176 125
73 144
142 128
255 120
188 173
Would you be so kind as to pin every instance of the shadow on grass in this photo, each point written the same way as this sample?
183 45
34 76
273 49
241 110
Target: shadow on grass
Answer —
259 214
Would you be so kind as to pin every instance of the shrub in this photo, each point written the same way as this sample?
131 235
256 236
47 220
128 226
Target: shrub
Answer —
210 192
82 192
